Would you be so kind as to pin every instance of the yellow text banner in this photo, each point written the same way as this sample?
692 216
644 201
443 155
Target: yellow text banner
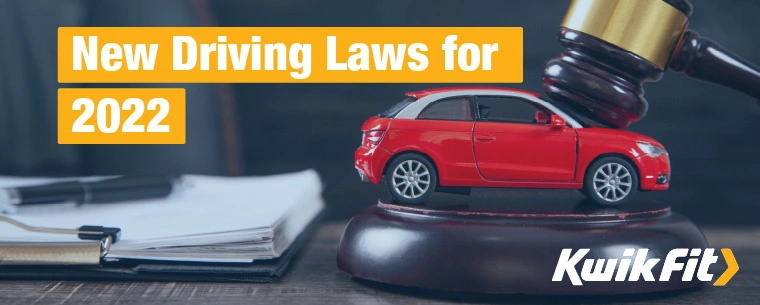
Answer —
290 55
121 116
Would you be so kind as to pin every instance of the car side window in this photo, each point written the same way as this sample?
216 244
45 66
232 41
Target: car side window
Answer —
450 109
511 110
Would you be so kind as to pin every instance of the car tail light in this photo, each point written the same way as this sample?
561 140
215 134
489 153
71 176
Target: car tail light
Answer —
372 137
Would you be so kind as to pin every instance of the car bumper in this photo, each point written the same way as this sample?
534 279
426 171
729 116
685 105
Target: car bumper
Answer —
370 162
362 175
655 173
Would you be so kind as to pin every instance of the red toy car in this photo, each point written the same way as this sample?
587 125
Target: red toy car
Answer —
452 139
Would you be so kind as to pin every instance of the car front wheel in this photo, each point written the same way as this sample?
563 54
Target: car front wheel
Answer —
611 181
411 179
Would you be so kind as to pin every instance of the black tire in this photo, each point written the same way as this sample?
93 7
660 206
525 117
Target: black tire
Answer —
418 182
617 183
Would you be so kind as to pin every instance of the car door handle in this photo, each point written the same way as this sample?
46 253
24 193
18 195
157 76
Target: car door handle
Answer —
485 139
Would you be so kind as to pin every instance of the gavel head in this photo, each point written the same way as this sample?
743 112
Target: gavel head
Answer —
612 48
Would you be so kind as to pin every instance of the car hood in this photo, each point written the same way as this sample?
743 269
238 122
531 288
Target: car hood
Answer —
615 134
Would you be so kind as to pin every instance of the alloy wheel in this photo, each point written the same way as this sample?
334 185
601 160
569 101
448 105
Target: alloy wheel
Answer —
612 182
411 179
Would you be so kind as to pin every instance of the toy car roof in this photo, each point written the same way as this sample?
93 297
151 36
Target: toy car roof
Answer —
424 93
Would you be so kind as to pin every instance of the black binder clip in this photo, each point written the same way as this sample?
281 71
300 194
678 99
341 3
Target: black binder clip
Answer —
98 233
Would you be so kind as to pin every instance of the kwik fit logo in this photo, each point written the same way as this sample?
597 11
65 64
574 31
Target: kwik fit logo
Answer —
635 265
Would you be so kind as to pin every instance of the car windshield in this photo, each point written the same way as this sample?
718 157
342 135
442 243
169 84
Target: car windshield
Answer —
393 111
578 117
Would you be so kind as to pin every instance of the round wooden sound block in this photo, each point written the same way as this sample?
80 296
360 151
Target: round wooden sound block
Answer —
495 245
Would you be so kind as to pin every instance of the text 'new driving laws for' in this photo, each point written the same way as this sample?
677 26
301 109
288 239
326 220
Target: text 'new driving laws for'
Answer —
290 55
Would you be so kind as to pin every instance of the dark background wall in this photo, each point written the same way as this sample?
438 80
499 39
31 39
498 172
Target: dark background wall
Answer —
712 134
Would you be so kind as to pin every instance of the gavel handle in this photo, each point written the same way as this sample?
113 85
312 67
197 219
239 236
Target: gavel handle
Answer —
703 59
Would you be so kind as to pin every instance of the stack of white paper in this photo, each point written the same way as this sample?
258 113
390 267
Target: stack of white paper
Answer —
211 219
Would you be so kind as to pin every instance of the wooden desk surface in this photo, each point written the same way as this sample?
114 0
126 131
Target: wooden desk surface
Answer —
314 279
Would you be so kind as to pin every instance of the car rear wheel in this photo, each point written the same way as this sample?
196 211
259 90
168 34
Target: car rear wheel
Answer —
611 181
411 179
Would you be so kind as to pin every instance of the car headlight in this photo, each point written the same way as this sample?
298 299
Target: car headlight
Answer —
651 150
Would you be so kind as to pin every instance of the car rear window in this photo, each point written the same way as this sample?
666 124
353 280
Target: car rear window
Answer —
393 111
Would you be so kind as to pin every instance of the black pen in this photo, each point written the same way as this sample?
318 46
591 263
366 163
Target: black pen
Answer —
101 191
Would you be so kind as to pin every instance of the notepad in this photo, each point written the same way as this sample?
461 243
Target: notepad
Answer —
210 219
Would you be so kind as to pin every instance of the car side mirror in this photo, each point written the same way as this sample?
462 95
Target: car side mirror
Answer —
557 123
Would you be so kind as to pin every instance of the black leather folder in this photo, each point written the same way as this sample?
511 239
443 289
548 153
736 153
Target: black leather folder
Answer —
260 271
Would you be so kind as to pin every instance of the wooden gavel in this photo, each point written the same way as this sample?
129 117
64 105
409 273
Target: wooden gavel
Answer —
614 46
